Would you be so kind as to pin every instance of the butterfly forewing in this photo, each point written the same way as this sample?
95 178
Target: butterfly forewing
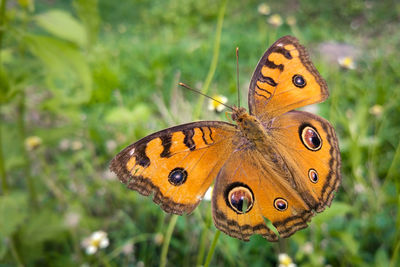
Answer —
284 79
176 165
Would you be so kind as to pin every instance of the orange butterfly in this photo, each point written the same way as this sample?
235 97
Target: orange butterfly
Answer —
275 163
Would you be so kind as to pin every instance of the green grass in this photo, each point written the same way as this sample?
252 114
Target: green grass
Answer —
88 96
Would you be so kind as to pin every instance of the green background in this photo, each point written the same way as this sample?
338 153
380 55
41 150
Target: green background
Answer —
90 77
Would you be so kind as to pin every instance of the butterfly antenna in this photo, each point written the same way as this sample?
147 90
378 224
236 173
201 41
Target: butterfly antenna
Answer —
237 74
197 91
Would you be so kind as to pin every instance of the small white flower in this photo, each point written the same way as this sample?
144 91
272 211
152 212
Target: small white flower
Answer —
111 145
359 188
347 62
275 20
76 145
158 239
64 144
216 106
95 241
263 9
349 114
32 142
285 260
376 110
72 219
127 249
291 20
308 248
208 194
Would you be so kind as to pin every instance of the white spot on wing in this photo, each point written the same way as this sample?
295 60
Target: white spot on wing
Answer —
280 45
132 151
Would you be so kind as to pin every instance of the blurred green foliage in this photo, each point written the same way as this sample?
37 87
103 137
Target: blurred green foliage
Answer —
80 80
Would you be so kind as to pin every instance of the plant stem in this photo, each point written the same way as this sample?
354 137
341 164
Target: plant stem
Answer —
395 260
164 250
14 251
393 172
2 21
212 249
214 61
104 260
133 240
203 238
27 168
3 174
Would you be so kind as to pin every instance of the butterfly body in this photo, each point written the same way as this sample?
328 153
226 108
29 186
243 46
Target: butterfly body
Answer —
274 163
250 127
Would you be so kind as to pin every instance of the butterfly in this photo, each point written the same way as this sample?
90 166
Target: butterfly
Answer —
273 165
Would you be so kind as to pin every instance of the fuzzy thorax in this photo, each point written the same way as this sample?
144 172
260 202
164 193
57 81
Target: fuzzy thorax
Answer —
250 127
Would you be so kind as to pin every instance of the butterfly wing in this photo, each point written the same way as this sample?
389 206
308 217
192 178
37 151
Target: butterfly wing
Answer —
244 195
284 79
177 165
309 145
278 186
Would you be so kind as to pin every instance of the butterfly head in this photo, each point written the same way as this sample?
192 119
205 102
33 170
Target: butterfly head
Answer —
238 114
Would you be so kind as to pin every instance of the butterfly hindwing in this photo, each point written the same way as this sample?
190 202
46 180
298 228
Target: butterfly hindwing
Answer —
309 145
285 79
287 185
177 165
247 178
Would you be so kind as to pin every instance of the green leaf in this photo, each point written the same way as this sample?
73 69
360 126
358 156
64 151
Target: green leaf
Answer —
349 242
105 81
13 211
63 25
67 72
382 257
4 86
3 248
42 226
6 55
89 15
337 209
